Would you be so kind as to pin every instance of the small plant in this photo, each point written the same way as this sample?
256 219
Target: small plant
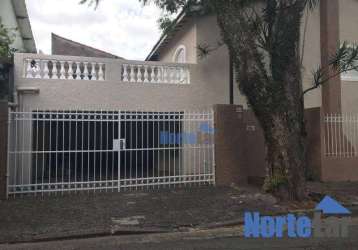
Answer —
7 37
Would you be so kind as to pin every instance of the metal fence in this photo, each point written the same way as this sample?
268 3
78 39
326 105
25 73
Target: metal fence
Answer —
341 135
62 151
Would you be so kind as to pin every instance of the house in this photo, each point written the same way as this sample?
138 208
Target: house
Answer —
333 22
67 47
96 123
13 15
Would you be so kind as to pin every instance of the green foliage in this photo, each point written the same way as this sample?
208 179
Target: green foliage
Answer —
344 60
7 37
90 2
166 23
275 183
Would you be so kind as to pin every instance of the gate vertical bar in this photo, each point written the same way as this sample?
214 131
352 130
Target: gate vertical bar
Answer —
4 120
213 170
119 151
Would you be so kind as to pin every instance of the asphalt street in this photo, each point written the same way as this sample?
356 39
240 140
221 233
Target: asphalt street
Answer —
228 238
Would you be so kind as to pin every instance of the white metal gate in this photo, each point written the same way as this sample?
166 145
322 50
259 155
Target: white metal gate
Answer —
62 151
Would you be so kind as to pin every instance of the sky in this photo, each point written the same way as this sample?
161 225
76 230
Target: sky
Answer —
121 27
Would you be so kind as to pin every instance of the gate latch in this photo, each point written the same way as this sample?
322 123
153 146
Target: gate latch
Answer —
119 144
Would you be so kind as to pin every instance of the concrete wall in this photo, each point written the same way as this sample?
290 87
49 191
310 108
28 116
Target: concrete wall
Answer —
187 36
348 10
8 18
204 30
213 69
229 145
311 56
113 94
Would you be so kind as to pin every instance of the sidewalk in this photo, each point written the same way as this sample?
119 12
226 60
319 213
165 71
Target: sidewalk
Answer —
151 211
100 214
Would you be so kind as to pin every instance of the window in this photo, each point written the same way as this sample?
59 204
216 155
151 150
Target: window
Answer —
180 55
350 75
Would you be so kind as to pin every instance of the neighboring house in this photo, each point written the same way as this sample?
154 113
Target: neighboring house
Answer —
87 123
64 46
331 26
13 14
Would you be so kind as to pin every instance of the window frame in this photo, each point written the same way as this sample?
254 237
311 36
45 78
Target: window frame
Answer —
176 53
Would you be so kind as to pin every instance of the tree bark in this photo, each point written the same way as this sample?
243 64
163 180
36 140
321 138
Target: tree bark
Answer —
266 56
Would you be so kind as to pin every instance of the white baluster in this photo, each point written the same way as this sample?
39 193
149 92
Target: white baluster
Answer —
171 75
132 75
152 75
70 71
125 73
187 74
55 71
29 69
38 69
180 75
139 73
93 72
160 74
100 72
46 70
62 70
85 71
165 74
146 73
78 71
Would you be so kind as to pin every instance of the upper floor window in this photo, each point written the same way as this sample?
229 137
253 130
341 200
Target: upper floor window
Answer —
350 75
180 55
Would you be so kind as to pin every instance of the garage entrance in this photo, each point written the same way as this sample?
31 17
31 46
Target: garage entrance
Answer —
70 151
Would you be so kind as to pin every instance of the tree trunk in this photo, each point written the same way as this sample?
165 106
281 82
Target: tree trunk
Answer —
267 62
285 158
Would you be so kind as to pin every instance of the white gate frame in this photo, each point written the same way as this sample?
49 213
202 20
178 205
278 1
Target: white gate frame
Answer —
170 149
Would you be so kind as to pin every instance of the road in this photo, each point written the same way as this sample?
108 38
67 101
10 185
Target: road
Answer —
227 238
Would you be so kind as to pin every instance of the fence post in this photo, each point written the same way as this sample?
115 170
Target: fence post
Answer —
3 148
229 145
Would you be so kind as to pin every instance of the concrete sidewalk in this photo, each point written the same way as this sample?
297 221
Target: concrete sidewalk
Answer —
88 214
152 211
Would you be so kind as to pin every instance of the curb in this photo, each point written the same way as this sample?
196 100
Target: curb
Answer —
125 231
87 235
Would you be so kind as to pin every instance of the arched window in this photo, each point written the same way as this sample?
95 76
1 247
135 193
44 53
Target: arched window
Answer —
180 55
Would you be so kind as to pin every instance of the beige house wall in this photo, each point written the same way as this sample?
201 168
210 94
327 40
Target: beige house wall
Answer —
215 67
113 94
186 36
349 32
311 56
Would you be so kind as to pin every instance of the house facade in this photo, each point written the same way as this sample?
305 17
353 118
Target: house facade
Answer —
96 122
332 21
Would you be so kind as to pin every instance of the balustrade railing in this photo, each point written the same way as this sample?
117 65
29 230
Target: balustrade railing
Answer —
77 68
64 70
144 73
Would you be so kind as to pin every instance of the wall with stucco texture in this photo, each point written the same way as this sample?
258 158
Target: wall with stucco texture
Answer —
113 94
349 32
185 36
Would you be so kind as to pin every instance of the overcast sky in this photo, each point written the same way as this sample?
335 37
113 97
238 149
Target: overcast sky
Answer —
122 27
